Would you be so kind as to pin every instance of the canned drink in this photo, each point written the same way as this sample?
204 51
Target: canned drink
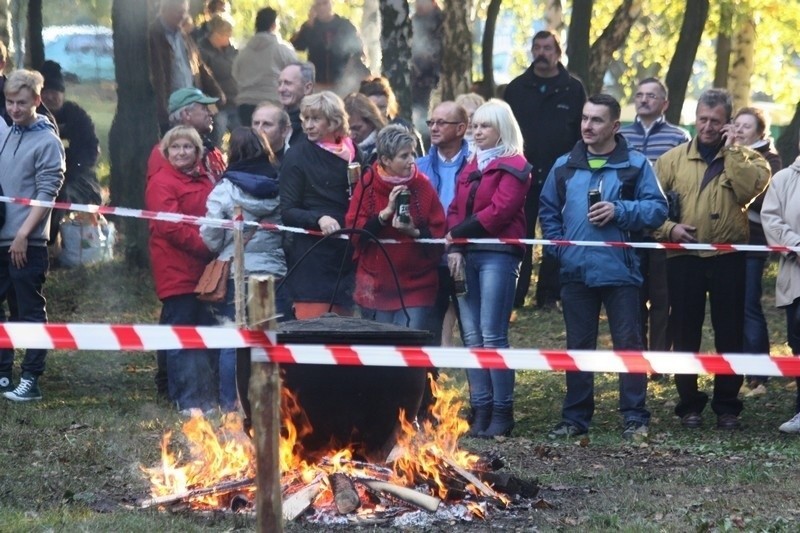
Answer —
403 207
594 197
353 175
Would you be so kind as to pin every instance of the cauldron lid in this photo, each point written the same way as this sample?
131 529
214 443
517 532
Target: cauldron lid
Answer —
331 328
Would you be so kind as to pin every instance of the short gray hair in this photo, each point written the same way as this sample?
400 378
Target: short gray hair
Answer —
392 139
308 71
717 97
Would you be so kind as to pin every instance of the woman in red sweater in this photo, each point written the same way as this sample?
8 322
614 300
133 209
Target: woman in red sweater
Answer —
374 208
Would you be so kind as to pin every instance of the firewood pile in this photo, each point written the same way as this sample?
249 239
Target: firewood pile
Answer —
357 492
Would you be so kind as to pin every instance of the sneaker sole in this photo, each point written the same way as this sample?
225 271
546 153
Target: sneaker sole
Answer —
19 399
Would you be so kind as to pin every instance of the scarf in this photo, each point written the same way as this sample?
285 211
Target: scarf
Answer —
393 180
487 156
343 149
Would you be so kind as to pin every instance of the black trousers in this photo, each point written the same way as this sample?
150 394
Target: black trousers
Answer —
690 278
548 286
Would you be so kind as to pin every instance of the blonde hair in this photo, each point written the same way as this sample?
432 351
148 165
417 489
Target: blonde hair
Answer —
498 114
470 99
329 106
221 24
181 132
24 79
356 104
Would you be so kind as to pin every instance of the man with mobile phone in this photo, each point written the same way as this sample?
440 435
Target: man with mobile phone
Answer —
715 180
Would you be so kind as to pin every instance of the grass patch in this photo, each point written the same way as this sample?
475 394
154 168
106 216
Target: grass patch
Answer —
72 462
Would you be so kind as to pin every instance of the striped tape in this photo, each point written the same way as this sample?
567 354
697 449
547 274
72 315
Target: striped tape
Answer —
229 224
146 337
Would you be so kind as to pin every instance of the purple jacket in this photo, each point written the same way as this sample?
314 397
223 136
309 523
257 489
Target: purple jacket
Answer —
491 204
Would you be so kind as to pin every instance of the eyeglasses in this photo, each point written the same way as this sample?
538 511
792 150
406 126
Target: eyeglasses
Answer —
440 123
646 96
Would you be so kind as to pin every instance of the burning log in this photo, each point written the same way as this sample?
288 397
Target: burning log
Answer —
409 496
482 487
345 495
221 488
297 503
510 484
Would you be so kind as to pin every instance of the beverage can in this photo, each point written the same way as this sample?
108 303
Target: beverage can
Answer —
594 197
404 206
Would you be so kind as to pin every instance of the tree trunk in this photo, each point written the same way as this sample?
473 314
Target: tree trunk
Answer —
723 51
5 24
134 129
554 16
612 38
34 56
578 39
680 68
742 69
396 45
487 47
18 28
371 35
456 77
787 143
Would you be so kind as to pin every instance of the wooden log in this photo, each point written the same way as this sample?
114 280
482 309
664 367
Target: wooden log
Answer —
409 496
510 484
297 503
482 487
265 399
220 488
345 495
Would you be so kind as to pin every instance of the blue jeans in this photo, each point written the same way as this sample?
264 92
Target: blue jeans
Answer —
21 288
756 337
191 374
581 305
225 314
420 317
491 279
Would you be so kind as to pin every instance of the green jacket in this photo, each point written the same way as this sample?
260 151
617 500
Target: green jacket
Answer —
717 209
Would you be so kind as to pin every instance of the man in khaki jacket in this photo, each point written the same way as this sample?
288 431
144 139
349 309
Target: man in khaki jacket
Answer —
714 181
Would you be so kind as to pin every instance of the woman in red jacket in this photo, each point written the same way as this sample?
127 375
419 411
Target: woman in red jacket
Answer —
490 203
178 256
374 208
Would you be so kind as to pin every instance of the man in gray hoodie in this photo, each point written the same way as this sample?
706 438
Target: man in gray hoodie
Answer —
32 165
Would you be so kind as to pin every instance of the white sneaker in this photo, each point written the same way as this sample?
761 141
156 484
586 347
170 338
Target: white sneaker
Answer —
792 426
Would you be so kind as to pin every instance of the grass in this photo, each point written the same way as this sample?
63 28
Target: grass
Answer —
72 462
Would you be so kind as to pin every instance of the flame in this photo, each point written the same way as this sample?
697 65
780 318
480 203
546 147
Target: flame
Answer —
222 454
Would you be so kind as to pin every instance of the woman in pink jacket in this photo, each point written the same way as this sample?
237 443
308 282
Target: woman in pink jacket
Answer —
490 203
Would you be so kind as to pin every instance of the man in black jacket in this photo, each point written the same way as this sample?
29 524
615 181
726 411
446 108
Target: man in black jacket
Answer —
547 104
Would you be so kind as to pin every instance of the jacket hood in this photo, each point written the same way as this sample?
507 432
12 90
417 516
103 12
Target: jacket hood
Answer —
41 123
261 41
795 166
256 177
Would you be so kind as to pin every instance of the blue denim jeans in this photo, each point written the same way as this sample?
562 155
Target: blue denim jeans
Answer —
756 336
191 374
21 288
225 314
581 305
419 317
491 279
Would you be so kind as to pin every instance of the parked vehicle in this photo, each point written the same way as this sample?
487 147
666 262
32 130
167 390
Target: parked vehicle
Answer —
85 53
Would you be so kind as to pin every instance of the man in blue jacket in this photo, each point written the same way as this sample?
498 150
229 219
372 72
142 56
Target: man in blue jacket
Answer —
601 191
447 156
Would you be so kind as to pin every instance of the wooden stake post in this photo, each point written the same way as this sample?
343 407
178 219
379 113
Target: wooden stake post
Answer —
265 401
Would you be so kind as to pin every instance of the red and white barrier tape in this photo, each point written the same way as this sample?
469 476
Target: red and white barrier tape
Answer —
229 224
126 337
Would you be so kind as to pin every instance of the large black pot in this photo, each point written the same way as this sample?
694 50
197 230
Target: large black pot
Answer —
357 406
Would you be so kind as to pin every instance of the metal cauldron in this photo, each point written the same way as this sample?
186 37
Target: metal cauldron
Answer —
357 406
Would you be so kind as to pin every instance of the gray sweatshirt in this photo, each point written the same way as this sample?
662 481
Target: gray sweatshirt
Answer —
32 166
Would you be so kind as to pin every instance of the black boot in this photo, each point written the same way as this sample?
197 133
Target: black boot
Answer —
481 418
502 423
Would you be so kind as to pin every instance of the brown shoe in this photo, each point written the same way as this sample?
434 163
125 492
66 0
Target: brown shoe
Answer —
727 421
692 420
